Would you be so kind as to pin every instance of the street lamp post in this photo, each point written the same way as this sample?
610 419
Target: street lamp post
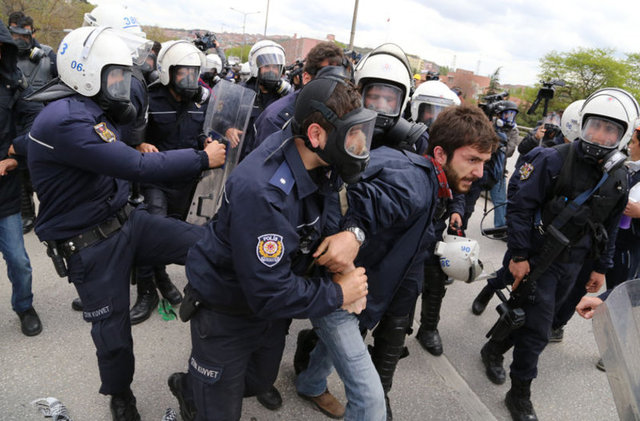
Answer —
244 21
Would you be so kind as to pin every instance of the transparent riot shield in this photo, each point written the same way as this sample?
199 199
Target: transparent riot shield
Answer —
228 112
616 326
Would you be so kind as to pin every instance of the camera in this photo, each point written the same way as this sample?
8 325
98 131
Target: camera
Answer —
545 93
205 42
489 103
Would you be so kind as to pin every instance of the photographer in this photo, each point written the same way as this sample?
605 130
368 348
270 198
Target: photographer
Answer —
547 133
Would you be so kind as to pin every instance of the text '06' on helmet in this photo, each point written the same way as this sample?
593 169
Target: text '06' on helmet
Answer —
384 78
116 17
459 257
607 117
429 99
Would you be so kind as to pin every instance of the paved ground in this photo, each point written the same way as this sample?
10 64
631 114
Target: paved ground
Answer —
61 361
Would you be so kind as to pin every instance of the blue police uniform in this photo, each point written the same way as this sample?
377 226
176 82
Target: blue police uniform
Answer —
249 273
274 117
535 189
79 167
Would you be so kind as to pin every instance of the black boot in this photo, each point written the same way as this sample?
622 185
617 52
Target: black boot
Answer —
166 287
270 399
518 400
76 304
146 302
307 340
123 407
492 359
432 295
176 385
482 300
388 346
30 322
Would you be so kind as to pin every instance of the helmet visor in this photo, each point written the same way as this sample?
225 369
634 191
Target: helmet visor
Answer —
116 82
270 58
185 77
358 126
602 131
382 98
140 47
509 116
427 113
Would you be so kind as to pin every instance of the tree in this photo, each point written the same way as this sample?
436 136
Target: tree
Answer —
156 33
494 82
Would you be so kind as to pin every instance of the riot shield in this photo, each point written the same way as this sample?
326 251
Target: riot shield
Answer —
229 109
616 326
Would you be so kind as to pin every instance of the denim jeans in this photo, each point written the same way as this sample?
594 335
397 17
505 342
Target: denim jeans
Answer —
499 199
18 265
341 345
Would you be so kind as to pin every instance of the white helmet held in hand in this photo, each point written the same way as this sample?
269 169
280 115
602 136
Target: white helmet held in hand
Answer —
570 121
429 99
264 53
85 52
459 257
607 117
116 17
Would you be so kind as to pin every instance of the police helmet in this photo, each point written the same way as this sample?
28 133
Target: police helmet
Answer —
245 72
212 62
116 17
606 122
459 257
264 53
85 52
570 121
178 53
386 71
429 99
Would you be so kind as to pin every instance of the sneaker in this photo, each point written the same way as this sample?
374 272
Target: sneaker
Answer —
327 404
556 335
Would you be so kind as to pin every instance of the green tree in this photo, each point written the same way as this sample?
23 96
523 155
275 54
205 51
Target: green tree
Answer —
494 82
444 70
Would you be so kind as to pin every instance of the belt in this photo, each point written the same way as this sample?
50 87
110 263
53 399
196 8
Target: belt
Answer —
98 233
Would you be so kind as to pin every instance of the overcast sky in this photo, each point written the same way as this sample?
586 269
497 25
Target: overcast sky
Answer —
477 35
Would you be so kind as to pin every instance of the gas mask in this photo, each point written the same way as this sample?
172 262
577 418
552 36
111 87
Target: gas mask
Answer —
600 136
184 81
114 96
386 101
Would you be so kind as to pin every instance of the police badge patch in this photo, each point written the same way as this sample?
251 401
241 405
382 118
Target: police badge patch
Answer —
270 249
104 133
525 171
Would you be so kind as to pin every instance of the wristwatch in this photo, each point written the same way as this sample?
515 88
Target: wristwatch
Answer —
518 259
360 237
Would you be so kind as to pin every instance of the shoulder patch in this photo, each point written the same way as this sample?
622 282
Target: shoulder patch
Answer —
283 178
526 170
104 133
270 249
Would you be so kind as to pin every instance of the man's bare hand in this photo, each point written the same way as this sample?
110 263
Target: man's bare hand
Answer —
357 306
596 280
632 209
337 252
216 151
519 270
7 165
11 151
233 135
354 285
455 221
587 306
540 132
146 148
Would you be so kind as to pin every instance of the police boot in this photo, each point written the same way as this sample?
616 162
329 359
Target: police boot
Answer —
30 322
146 302
482 300
307 340
388 346
166 287
432 295
492 358
176 385
123 407
271 399
518 400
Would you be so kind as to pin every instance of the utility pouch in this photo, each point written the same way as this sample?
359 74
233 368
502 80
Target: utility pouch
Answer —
58 261
190 304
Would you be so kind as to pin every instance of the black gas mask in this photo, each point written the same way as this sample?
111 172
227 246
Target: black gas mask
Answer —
600 136
386 101
114 96
184 81
23 40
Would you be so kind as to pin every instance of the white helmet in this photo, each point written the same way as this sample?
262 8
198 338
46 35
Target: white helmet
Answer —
263 53
429 99
245 72
213 62
386 65
459 257
116 17
570 121
178 53
85 52
612 110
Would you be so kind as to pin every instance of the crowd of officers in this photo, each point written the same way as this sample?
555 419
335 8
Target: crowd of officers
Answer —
349 176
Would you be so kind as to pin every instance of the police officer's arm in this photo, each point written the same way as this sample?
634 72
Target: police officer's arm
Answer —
263 245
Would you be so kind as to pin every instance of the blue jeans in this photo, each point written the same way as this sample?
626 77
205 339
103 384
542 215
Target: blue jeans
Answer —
499 199
18 265
341 345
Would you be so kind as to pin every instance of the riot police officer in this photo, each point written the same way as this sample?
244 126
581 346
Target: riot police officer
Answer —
253 270
574 194
79 165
